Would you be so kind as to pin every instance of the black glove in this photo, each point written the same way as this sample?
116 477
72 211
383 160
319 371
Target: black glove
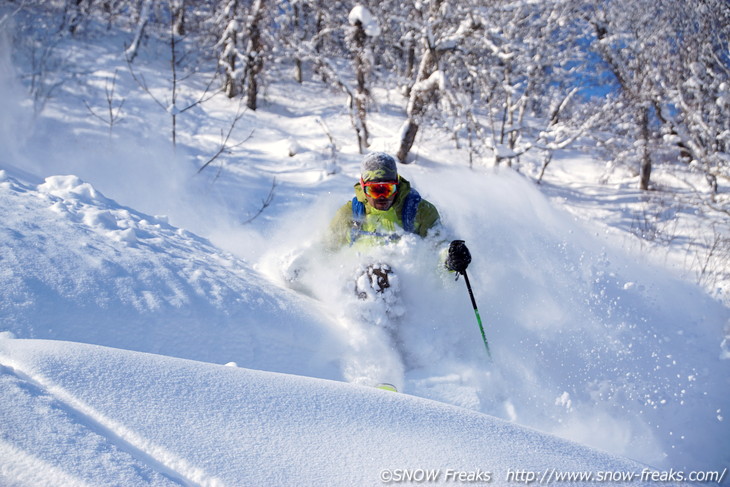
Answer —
459 257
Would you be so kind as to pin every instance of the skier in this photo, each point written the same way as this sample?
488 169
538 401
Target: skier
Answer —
383 210
385 207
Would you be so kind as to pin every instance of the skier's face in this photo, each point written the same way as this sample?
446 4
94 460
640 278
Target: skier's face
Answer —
380 195
381 204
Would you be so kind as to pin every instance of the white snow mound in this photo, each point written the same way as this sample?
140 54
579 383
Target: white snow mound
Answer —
214 425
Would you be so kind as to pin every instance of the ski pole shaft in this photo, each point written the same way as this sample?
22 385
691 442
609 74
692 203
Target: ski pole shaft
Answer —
476 312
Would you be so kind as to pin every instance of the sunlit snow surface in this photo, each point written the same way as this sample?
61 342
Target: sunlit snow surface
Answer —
105 416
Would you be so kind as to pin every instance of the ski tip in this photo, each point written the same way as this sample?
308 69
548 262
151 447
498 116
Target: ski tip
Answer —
387 387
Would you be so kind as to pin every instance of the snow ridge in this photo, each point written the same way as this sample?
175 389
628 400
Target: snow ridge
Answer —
147 453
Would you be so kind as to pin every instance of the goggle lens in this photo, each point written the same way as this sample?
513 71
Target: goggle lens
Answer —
380 190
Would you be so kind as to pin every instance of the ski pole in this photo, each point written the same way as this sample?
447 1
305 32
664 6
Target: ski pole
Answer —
476 312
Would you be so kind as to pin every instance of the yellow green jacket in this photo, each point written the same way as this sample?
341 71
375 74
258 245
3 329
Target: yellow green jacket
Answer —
376 226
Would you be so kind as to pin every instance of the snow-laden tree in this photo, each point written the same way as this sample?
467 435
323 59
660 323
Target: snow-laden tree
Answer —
177 11
437 29
670 61
254 51
507 70
506 76
627 45
500 66
240 47
695 79
535 82
75 13
231 57
363 27
143 17
297 25
311 33
322 35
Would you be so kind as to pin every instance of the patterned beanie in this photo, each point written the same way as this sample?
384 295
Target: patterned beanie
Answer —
378 167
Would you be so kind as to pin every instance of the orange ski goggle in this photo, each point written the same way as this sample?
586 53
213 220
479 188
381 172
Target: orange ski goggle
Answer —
379 190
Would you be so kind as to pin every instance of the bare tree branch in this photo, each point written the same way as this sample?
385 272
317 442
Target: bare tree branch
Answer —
113 114
225 148
264 203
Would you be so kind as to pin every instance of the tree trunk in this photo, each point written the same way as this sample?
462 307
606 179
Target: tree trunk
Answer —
229 47
298 25
144 15
361 92
255 60
409 136
645 171
178 12
252 89
417 103
298 76
231 86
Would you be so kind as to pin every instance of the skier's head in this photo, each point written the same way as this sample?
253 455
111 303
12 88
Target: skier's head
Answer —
378 167
379 180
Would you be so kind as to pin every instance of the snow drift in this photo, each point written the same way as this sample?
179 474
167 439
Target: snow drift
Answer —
129 418
77 266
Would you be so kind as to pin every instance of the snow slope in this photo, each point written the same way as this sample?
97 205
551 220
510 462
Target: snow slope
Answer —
589 343
139 419
77 266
